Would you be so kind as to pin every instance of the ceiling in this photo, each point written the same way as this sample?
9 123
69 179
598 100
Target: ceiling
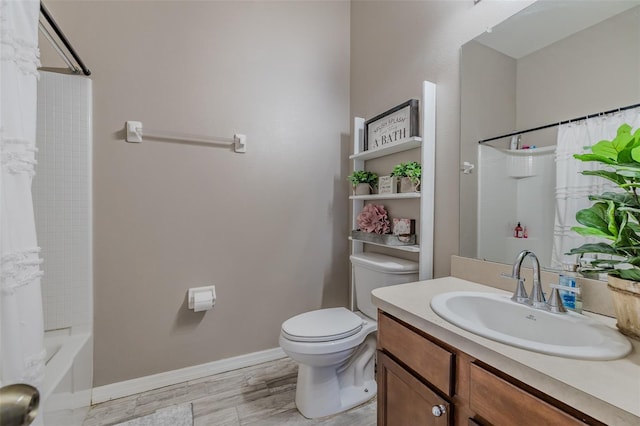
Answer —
548 21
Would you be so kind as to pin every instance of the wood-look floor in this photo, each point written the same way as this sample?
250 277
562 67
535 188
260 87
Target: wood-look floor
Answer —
259 395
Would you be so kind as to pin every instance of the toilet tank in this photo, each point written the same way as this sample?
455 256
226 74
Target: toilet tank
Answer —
373 270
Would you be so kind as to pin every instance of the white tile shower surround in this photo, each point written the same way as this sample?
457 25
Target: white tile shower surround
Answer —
62 197
259 395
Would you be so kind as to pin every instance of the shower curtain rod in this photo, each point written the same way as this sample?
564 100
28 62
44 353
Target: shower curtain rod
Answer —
584 117
57 48
63 38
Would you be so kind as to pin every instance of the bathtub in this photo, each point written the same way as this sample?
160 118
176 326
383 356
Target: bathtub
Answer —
66 389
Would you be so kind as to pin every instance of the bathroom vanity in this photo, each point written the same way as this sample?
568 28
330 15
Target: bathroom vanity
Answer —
431 372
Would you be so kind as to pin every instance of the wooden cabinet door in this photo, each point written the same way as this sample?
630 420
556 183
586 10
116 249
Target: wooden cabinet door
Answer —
501 403
427 359
403 400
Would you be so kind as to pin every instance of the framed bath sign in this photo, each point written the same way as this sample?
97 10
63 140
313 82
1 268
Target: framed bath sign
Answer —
392 127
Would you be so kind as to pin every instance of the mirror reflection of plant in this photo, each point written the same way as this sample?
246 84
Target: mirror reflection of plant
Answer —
615 216
363 176
411 169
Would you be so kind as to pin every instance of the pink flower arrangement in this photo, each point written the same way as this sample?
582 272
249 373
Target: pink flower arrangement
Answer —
374 219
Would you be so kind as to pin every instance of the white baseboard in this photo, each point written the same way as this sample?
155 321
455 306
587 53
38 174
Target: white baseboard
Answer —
155 381
62 401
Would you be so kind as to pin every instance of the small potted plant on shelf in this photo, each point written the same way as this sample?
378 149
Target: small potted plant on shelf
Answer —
615 217
363 182
409 174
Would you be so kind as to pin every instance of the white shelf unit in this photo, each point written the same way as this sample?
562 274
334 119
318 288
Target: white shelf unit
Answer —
411 143
426 143
398 196
412 248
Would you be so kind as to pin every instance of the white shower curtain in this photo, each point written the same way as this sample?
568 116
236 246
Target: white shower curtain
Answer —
21 318
573 188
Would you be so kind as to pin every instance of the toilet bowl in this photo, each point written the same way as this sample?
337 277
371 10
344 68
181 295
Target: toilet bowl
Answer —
330 377
336 348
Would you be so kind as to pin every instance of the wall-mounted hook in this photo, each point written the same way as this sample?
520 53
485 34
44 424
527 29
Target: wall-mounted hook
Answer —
467 168
134 132
240 143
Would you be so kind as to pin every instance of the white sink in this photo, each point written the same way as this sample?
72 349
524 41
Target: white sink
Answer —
496 317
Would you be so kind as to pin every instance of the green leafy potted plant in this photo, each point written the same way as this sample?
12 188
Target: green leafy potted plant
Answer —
410 174
363 181
615 217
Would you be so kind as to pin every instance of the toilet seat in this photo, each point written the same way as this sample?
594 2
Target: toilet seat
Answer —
323 325
365 327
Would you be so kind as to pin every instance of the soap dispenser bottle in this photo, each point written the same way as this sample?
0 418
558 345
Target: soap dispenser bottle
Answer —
517 232
571 297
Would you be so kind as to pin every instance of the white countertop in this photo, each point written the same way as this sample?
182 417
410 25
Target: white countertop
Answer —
606 390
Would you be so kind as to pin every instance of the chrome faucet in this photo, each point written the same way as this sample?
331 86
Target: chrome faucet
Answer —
537 299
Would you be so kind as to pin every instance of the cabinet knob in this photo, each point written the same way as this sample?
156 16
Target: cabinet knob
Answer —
438 410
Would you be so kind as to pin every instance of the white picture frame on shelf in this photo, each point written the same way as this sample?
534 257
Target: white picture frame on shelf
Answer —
404 229
403 226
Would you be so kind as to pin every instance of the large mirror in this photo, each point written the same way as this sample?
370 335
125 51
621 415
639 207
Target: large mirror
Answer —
553 61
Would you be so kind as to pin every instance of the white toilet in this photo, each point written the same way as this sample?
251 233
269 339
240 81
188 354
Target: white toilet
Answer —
336 348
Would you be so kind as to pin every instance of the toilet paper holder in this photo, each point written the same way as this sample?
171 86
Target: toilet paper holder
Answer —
201 298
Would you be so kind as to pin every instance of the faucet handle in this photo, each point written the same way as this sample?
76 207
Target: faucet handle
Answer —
509 276
554 304
575 290
520 294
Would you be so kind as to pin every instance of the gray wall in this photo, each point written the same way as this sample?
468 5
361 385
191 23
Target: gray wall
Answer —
488 98
593 70
397 45
268 227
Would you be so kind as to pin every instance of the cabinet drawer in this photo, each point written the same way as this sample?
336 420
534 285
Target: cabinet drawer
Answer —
427 359
404 400
502 403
